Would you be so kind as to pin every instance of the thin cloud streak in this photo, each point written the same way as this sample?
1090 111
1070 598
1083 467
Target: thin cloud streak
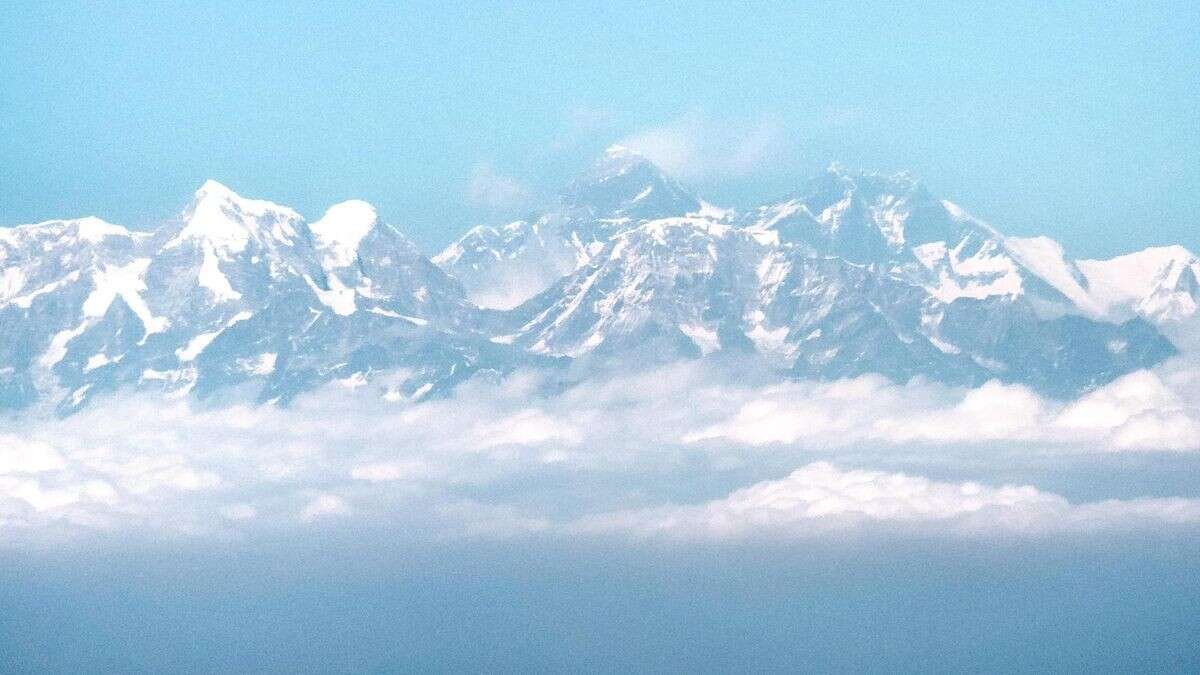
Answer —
694 146
491 190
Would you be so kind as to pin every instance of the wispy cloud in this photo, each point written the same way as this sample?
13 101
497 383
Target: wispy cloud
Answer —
696 146
495 191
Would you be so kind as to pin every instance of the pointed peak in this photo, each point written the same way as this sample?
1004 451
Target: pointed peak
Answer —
838 174
840 179
213 190
618 159
213 187
227 221
213 193
624 183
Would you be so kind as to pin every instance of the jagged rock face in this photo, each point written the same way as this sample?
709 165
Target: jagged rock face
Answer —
625 187
502 267
235 293
821 316
59 279
677 277
861 218
856 273
861 273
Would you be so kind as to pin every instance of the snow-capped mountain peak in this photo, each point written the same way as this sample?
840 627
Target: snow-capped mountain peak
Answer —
623 183
89 229
1161 283
617 160
236 292
340 231
502 267
94 229
228 221
855 272
861 216
621 153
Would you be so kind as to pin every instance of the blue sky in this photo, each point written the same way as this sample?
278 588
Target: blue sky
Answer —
1076 120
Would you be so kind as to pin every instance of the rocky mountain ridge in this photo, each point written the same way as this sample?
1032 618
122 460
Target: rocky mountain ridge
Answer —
854 273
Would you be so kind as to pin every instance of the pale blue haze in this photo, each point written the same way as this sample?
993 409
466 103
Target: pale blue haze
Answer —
1077 121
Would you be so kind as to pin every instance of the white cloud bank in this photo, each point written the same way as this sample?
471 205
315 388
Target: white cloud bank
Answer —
640 454
819 497
1146 410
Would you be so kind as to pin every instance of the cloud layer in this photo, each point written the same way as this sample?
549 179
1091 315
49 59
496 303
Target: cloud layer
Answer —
821 497
686 450
1152 411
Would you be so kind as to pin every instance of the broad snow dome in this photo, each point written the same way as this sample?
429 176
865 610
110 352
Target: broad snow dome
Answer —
342 228
93 229
90 229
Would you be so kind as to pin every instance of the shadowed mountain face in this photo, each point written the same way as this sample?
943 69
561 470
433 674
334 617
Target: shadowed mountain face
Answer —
502 267
854 273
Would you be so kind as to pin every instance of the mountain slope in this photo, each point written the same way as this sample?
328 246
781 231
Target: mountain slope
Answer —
237 293
502 267
859 273
853 273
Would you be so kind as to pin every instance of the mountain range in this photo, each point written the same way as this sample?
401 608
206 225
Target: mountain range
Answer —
854 272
